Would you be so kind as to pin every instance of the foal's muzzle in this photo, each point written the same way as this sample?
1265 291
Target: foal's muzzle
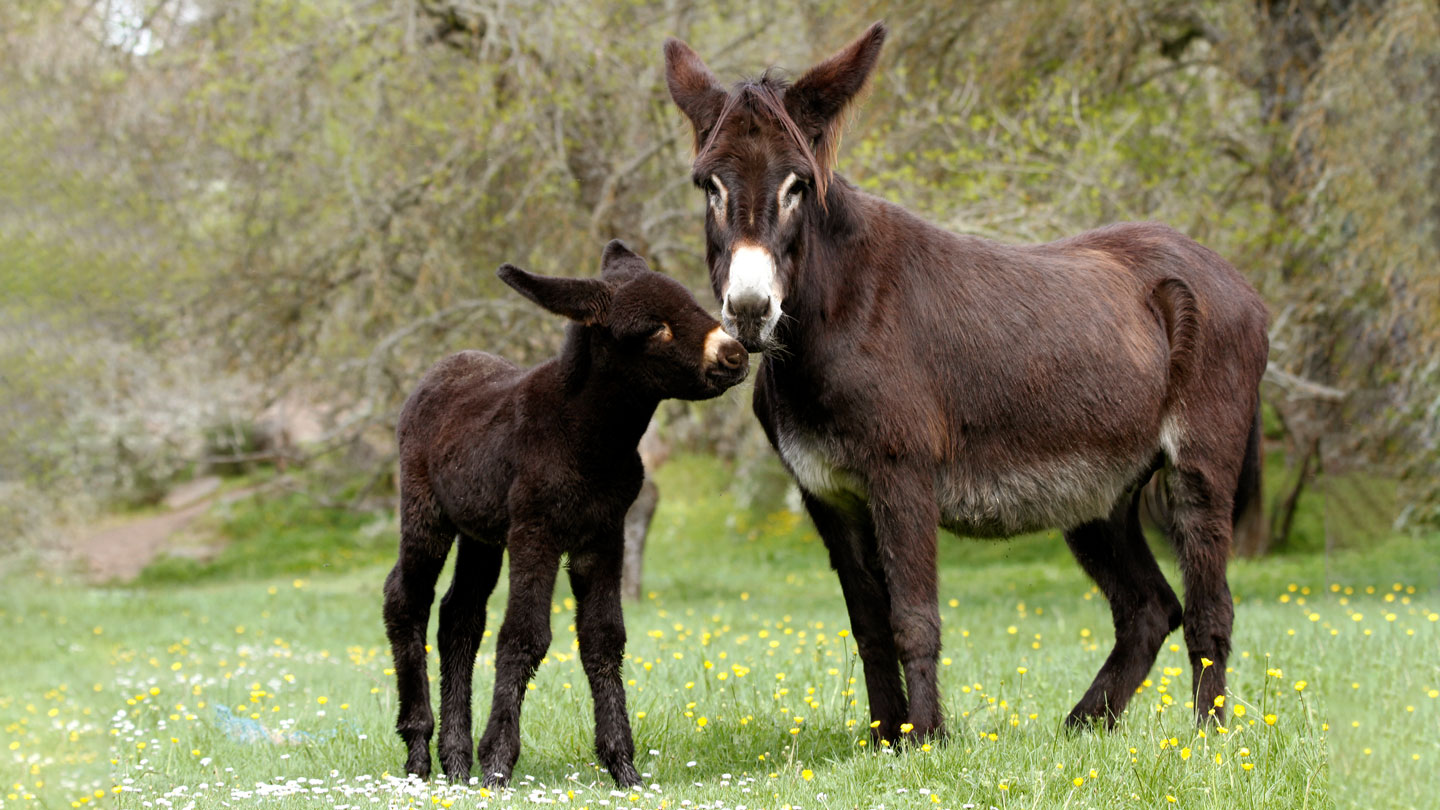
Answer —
726 361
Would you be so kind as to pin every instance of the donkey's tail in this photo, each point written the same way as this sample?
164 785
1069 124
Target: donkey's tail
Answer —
1175 304
1248 513
1175 307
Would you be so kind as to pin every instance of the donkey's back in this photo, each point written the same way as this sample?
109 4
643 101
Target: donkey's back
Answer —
1094 356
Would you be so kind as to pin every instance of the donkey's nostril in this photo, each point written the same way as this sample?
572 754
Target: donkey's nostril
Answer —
749 306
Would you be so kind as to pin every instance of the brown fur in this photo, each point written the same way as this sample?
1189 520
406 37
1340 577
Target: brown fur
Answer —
918 377
541 463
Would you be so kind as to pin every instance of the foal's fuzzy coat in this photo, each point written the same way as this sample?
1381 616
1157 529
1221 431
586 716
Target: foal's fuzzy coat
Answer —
542 462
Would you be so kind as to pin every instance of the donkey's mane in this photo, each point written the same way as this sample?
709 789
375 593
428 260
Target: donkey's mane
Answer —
764 97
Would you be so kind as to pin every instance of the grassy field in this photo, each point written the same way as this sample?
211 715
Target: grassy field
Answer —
247 684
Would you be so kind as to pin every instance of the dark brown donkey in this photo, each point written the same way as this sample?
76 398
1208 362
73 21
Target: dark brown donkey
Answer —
543 463
915 377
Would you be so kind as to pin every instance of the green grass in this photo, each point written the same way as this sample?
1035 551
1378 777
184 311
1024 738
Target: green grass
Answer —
279 537
154 688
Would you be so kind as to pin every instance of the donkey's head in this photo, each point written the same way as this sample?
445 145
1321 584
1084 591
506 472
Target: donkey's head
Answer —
652 331
764 156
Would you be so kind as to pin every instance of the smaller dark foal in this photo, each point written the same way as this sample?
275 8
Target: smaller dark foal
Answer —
542 462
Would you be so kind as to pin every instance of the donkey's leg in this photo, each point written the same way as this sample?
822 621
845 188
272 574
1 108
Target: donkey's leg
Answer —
524 638
851 543
905 514
462 622
1201 533
1143 606
409 591
600 625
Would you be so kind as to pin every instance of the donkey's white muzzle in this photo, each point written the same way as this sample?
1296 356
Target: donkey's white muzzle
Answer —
751 306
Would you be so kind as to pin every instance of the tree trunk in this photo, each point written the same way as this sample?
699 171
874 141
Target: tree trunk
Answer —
637 529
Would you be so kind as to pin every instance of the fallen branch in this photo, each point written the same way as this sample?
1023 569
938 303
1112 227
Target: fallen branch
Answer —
1297 386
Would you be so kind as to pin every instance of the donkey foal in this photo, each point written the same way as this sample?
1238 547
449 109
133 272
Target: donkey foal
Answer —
542 462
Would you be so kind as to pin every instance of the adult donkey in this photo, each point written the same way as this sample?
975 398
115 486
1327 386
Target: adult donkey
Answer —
915 377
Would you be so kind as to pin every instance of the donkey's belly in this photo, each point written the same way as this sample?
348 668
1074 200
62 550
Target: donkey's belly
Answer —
1059 493
817 474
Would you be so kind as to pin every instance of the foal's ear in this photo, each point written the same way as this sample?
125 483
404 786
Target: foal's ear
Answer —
817 99
619 260
694 88
586 300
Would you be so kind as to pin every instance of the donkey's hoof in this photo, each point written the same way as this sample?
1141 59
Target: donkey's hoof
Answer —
914 735
1081 720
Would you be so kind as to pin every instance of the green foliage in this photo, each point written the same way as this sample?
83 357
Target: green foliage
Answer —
307 199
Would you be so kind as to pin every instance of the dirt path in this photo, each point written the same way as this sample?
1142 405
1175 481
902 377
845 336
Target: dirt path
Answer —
121 551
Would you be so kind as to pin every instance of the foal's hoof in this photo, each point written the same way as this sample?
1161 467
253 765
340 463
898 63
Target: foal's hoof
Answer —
497 758
457 771
418 765
625 775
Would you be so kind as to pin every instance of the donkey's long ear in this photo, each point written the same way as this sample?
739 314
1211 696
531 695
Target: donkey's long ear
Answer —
619 260
586 300
695 89
817 100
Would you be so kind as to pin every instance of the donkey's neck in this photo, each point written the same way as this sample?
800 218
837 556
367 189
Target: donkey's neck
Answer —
607 405
832 275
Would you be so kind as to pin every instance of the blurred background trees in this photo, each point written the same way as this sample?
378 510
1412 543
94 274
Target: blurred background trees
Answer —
215 216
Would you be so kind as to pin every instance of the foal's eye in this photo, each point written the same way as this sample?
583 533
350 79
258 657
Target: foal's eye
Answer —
662 333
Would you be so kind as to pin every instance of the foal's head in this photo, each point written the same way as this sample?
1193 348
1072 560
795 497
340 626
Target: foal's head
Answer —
650 327
764 156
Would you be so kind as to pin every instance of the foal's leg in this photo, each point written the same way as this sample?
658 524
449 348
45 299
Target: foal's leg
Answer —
462 622
595 579
1143 606
851 543
409 591
1201 532
903 508
524 638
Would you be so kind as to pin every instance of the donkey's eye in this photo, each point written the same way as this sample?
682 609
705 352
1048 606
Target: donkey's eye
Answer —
662 333
717 196
791 191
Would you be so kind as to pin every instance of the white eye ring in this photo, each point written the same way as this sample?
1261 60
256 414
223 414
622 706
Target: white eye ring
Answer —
719 198
789 194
